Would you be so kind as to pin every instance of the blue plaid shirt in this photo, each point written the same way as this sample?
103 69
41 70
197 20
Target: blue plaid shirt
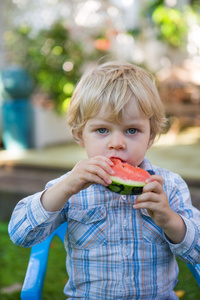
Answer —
113 250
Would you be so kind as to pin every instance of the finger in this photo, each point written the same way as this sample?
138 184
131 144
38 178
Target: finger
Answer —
154 187
92 169
157 178
146 197
145 205
95 179
101 173
108 160
104 163
103 158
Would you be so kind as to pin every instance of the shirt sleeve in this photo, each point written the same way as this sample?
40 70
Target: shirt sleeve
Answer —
189 249
30 223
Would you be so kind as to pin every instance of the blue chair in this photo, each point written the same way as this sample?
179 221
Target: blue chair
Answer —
37 266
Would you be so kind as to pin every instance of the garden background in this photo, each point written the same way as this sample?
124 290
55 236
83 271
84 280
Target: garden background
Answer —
45 45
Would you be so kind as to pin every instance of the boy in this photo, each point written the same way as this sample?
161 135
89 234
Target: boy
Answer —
118 247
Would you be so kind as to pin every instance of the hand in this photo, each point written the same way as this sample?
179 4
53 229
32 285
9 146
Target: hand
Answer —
85 173
89 171
155 200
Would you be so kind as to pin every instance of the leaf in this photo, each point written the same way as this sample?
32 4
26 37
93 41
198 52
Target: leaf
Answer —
180 293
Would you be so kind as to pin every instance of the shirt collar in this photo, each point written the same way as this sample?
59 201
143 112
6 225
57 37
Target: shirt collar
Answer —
146 165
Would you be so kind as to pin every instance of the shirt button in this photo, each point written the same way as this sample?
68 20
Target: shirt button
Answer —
127 280
125 223
123 198
86 218
126 251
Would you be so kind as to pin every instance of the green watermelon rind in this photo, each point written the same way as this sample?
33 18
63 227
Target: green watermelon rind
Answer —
126 187
127 182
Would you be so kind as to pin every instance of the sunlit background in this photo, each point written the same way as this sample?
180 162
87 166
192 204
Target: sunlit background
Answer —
55 40
45 46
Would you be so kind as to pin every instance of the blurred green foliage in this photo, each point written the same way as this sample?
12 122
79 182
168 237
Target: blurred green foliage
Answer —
53 58
172 23
56 59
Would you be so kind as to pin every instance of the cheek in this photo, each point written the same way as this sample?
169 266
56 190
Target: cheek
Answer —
94 148
137 152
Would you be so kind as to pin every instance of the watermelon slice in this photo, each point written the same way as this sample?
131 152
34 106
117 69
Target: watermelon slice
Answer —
127 180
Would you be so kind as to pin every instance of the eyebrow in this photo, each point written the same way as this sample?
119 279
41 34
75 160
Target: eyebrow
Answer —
99 124
104 123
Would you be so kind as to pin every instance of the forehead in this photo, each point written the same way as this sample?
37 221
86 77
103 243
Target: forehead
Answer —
130 112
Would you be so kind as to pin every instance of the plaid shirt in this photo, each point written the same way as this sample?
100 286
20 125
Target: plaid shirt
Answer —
113 250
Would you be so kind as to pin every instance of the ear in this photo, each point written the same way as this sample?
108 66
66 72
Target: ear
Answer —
79 139
150 143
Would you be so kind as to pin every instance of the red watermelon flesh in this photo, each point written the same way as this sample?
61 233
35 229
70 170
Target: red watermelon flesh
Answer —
127 180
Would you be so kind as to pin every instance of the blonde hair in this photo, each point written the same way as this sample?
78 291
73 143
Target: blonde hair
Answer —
111 85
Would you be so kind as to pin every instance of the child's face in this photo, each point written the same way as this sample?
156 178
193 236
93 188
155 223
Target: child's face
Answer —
128 139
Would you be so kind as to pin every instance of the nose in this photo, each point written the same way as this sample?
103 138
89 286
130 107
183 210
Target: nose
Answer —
117 141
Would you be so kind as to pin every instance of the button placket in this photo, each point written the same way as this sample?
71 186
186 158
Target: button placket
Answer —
123 198
125 222
127 280
126 250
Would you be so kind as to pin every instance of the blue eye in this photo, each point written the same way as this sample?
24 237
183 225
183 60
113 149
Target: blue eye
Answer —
131 131
102 130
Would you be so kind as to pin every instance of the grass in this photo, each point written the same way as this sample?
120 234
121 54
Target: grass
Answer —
14 260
